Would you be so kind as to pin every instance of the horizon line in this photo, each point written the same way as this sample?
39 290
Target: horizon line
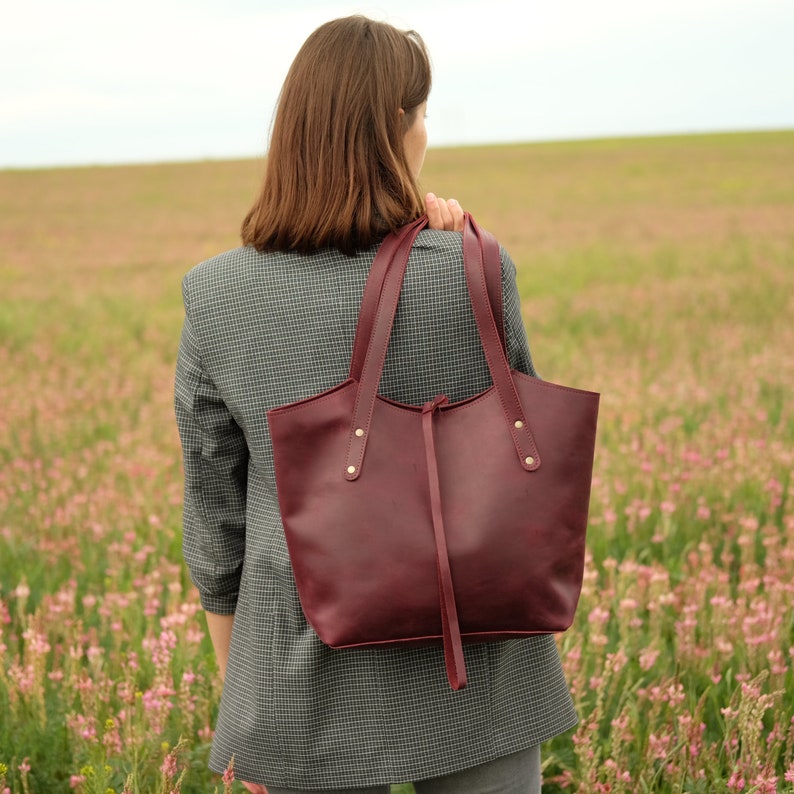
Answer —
574 139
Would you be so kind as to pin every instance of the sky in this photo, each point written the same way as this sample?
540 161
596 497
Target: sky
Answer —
92 81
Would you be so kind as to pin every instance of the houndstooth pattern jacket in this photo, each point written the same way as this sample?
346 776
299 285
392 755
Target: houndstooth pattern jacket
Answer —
262 330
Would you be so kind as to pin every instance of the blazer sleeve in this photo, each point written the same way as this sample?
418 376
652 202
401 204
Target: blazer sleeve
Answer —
215 456
515 334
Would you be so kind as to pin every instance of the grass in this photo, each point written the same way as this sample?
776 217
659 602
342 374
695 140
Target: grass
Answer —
655 270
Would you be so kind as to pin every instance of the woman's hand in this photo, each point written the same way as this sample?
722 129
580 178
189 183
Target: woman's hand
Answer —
255 788
444 215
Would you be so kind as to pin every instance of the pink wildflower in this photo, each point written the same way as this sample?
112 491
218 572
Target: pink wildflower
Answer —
598 615
228 775
766 785
648 657
736 782
205 733
168 767
659 746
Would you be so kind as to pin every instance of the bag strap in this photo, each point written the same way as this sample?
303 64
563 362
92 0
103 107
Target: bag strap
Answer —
375 354
480 254
374 287
452 641
474 241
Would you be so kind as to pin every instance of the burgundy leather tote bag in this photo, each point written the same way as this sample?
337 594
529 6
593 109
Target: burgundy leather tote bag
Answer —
443 523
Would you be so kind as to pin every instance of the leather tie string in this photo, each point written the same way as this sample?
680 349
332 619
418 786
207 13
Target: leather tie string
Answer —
453 645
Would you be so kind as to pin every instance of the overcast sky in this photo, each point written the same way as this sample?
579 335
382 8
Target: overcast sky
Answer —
92 81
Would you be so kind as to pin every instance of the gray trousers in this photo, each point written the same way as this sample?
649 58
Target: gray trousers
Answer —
518 773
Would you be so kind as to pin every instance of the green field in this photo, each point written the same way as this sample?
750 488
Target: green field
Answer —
658 271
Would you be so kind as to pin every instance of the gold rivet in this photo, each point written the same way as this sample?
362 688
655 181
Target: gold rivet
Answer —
351 469
359 433
529 461
519 424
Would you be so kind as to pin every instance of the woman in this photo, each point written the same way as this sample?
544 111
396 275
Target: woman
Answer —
273 322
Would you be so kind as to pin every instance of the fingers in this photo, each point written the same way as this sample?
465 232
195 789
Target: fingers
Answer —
254 788
436 211
444 215
457 215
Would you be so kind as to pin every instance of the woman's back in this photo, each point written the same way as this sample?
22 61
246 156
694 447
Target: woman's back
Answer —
264 330
275 328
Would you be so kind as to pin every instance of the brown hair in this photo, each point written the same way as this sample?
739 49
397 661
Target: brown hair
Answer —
336 172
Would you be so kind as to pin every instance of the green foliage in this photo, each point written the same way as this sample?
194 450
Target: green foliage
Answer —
656 271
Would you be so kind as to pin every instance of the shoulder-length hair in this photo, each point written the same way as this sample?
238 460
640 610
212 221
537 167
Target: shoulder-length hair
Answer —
337 173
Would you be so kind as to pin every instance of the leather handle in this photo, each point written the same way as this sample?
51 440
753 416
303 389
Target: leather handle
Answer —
374 287
372 293
375 354
371 358
480 254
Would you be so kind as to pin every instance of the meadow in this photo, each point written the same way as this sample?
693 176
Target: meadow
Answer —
658 271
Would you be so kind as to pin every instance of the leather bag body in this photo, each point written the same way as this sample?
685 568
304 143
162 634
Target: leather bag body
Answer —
443 523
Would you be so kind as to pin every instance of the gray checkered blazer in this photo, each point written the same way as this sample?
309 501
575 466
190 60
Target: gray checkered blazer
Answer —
262 330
